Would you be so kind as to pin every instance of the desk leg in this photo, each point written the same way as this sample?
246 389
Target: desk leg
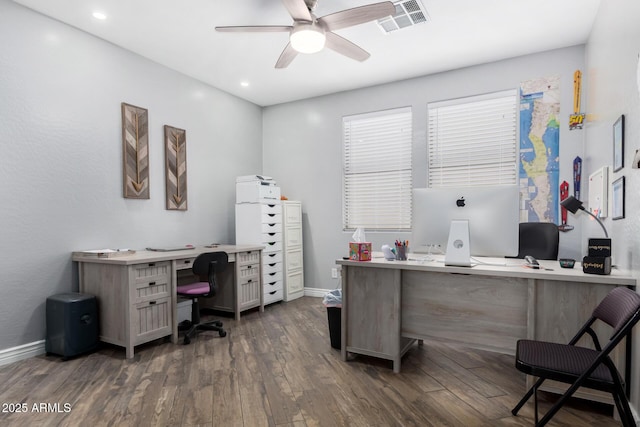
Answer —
173 290
343 313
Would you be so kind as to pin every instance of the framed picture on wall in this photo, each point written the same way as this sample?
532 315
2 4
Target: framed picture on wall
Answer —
617 198
618 144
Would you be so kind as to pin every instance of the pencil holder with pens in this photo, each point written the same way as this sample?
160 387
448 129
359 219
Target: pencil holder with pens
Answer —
402 249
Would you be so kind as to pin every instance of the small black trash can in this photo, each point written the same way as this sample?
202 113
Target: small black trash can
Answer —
333 301
72 324
334 314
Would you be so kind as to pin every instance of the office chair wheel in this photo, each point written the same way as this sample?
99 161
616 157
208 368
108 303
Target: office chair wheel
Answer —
222 333
187 340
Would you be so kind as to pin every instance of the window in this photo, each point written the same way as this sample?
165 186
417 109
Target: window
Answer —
377 170
472 141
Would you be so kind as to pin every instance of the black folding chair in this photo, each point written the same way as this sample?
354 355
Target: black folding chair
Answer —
580 366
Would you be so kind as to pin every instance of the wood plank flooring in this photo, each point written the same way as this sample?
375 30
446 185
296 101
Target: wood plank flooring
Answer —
275 368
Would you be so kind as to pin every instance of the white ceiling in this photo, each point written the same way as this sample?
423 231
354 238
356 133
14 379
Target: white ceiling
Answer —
180 35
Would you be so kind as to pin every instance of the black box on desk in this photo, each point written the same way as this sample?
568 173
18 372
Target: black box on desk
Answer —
596 265
72 324
599 248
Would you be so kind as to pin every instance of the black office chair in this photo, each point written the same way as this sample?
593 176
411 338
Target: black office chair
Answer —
538 239
205 266
581 366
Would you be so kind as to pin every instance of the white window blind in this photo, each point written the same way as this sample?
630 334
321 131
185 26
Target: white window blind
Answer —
472 141
377 170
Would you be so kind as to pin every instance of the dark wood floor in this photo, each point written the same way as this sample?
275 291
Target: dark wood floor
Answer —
275 368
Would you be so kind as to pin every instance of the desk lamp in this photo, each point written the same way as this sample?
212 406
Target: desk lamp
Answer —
598 260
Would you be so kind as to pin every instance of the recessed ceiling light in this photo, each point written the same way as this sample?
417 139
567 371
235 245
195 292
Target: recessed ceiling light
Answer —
244 84
99 15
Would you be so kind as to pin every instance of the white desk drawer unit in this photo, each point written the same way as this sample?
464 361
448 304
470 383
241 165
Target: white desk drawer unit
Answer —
293 255
261 223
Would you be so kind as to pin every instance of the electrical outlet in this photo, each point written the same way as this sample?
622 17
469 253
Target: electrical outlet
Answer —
334 273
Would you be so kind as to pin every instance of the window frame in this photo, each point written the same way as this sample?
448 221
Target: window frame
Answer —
402 175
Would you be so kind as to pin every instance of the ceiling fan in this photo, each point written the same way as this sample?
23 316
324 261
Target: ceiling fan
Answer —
310 34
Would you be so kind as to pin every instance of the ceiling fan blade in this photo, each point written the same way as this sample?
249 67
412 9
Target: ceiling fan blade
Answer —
256 29
287 55
298 10
345 47
357 15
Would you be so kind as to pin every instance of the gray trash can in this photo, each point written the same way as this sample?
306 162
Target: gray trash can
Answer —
72 324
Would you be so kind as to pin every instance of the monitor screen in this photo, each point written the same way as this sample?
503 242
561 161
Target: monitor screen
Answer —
492 212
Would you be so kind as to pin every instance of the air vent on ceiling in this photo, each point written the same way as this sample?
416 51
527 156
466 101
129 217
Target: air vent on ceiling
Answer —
408 13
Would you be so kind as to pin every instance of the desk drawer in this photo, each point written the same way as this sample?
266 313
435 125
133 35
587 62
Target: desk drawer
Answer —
249 291
152 271
293 236
184 263
272 277
151 320
294 260
249 257
151 290
271 237
273 295
295 282
271 257
271 227
272 246
271 208
273 267
150 281
249 271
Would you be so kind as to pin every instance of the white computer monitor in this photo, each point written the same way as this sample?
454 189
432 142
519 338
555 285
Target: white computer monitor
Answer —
492 213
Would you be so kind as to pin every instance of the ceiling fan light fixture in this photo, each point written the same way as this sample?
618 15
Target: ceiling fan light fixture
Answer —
307 38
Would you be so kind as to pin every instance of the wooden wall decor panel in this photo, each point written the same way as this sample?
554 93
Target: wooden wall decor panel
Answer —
135 151
175 149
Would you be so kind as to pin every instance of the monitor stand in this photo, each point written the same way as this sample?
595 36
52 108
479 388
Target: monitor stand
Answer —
458 252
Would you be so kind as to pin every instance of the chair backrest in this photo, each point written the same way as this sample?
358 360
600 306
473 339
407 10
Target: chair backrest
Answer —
538 239
620 309
207 264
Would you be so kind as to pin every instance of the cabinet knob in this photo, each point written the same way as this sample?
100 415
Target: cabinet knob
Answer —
152 283
152 302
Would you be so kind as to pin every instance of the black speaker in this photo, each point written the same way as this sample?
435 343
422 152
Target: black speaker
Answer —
72 324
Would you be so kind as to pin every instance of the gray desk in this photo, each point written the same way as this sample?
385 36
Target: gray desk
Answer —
388 305
136 293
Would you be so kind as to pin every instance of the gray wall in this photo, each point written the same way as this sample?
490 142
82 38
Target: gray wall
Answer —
612 89
302 145
61 161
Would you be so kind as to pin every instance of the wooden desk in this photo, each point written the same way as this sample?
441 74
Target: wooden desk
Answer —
136 293
388 305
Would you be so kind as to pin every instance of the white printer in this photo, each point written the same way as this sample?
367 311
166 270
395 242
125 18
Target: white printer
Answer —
256 189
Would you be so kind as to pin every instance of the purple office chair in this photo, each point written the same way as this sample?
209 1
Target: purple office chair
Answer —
581 366
205 266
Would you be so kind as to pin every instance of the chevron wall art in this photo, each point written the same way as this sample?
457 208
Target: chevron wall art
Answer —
135 152
175 149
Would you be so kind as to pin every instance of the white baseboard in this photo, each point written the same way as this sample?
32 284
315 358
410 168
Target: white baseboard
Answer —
21 352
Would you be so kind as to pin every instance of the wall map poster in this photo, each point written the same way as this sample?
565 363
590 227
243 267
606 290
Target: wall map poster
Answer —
539 149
